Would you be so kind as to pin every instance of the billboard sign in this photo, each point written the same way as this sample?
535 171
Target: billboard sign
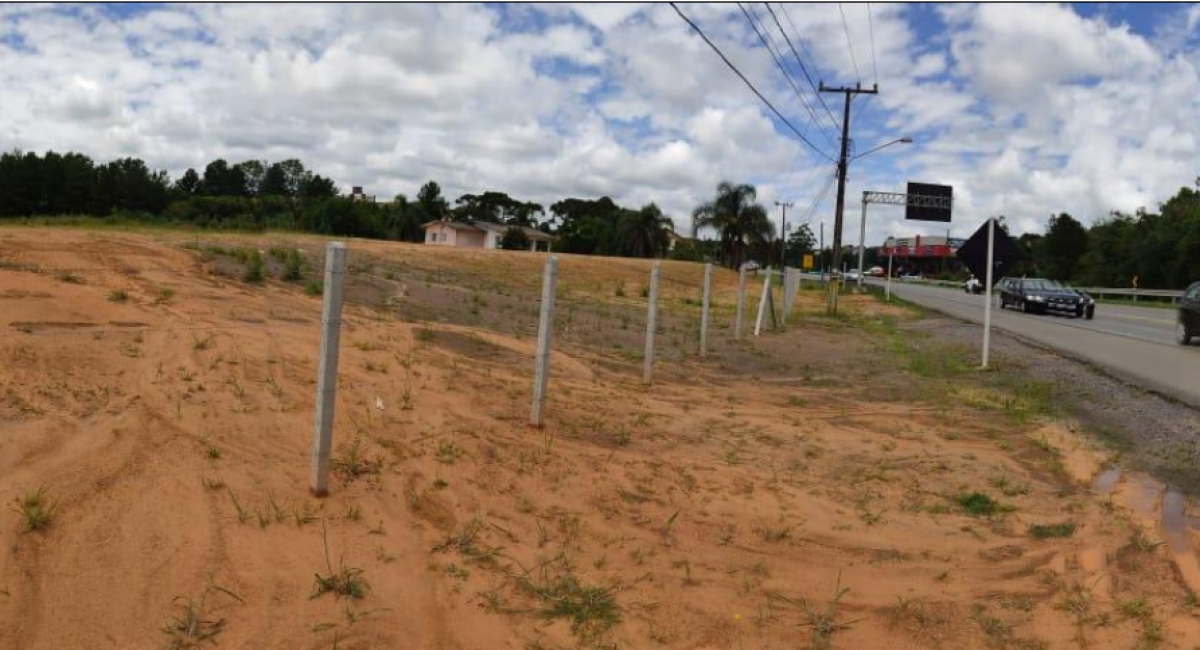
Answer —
927 202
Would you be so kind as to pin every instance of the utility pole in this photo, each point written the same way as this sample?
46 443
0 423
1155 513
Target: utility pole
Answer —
783 235
821 253
843 165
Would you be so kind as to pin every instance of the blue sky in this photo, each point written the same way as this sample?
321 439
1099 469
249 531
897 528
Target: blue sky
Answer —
1025 109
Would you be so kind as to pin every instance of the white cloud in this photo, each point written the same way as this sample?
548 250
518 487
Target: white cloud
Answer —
1025 109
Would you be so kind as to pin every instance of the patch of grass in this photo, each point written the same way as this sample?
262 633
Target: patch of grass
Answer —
448 452
165 294
202 343
345 582
193 627
254 268
313 288
36 509
118 295
1135 607
591 610
70 278
293 266
1047 531
776 534
978 504
824 623
355 463
467 542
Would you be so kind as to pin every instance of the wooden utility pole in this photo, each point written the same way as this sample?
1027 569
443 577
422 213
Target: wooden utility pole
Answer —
843 165
783 234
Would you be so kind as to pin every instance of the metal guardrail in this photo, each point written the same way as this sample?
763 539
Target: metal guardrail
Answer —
1173 294
1098 292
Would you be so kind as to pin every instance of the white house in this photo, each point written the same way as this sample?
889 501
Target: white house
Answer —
479 234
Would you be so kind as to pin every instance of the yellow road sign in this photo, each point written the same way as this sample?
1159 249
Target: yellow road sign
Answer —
808 262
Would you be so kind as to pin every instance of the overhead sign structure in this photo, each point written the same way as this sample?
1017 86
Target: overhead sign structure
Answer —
928 202
974 254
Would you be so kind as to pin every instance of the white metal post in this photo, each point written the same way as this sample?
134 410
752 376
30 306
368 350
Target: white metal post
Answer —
704 309
987 305
889 277
862 240
651 320
327 365
541 373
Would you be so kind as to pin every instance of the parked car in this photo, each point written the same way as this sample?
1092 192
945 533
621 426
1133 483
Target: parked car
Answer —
912 277
876 271
1041 296
851 275
1189 315
973 286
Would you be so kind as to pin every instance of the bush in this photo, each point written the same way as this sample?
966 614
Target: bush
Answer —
514 239
254 267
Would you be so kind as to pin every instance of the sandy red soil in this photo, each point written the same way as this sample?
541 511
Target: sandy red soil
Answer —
727 506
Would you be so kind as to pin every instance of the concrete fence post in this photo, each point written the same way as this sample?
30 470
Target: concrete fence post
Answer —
651 324
541 373
762 304
327 366
741 304
704 309
789 280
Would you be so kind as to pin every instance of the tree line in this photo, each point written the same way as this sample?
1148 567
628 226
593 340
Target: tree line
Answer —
257 195
1160 249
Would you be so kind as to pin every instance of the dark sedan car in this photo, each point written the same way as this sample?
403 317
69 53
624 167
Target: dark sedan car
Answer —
1189 315
1040 296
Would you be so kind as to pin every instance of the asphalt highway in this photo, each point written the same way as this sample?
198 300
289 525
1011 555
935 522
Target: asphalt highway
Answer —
1135 344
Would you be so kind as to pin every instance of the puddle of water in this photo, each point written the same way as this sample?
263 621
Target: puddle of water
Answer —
1145 496
1107 480
1175 525
1140 493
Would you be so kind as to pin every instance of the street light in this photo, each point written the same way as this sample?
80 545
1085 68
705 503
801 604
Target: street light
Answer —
882 146
862 226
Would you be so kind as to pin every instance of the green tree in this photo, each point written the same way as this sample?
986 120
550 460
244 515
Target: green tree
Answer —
643 233
1062 247
222 180
496 207
515 239
254 173
284 178
586 226
800 242
737 218
189 183
430 203
318 187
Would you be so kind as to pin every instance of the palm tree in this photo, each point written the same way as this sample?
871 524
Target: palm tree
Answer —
643 233
738 219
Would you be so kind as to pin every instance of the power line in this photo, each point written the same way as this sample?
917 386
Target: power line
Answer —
752 19
849 44
741 76
820 196
800 61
